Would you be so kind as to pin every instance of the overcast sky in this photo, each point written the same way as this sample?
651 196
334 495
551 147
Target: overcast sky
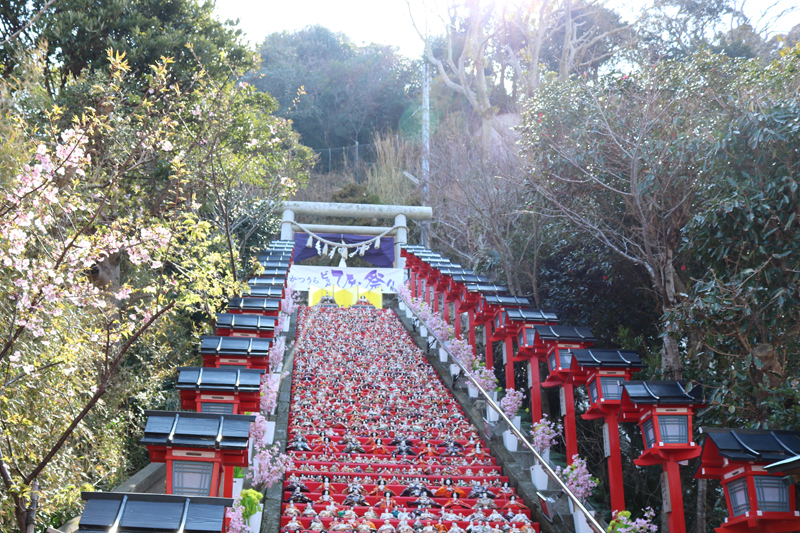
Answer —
378 21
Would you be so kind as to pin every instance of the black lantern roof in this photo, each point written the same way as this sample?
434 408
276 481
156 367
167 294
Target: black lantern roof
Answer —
661 392
266 291
271 252
255 304
276 272
411 247
502 300
241 346
789 466
108 512
275 263
760 445
278 250
219 379
278 281
201 430
469 279
444 263
248 322
486 288
456 272
273 255
530 314
565 333
279 244
607 358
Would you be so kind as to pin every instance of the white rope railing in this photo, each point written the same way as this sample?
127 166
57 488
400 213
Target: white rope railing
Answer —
590 519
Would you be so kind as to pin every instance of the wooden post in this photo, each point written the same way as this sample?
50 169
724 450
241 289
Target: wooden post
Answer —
570 431
536 390
227 487
674 507
615 478
488 345
169 476
508 347
472 340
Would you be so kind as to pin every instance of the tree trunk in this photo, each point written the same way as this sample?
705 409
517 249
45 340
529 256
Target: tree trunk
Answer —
564 67
670 358
700 519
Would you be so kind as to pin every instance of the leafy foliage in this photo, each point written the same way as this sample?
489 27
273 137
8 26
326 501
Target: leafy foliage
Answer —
78 33
743 304
334 92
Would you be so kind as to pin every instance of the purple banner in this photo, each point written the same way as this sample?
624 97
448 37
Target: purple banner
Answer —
382 257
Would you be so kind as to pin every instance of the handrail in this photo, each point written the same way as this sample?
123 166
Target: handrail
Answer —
593 523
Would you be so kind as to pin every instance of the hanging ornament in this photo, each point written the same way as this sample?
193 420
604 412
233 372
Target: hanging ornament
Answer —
318 246
325 249
377 243
362 250
310 242
342 262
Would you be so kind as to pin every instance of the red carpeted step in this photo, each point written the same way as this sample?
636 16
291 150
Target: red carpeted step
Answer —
367 407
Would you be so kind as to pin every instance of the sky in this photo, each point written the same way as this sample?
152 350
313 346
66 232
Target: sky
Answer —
383 21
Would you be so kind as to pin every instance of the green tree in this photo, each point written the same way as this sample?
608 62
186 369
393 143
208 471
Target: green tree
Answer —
78 33
335 93
744 303
109 243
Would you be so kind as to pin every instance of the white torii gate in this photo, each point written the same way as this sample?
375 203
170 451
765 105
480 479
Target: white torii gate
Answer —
400 213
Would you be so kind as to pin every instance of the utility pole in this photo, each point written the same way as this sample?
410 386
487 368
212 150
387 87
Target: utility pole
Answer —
357 162
426 142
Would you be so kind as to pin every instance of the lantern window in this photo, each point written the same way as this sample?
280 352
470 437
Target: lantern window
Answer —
649 433
530 336
740 502
771 494
563 360
612 387
191 478
593 391
674 428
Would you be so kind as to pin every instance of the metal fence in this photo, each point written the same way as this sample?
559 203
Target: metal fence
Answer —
353 159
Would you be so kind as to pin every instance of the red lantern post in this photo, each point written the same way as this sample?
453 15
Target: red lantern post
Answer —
664 410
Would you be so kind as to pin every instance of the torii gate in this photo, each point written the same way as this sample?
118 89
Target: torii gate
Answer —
400 213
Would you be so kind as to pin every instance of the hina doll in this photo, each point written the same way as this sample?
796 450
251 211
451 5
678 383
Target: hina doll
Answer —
291 510
293 525
386 527
513 505
309 511
381 489
455 502
387 502
448 488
